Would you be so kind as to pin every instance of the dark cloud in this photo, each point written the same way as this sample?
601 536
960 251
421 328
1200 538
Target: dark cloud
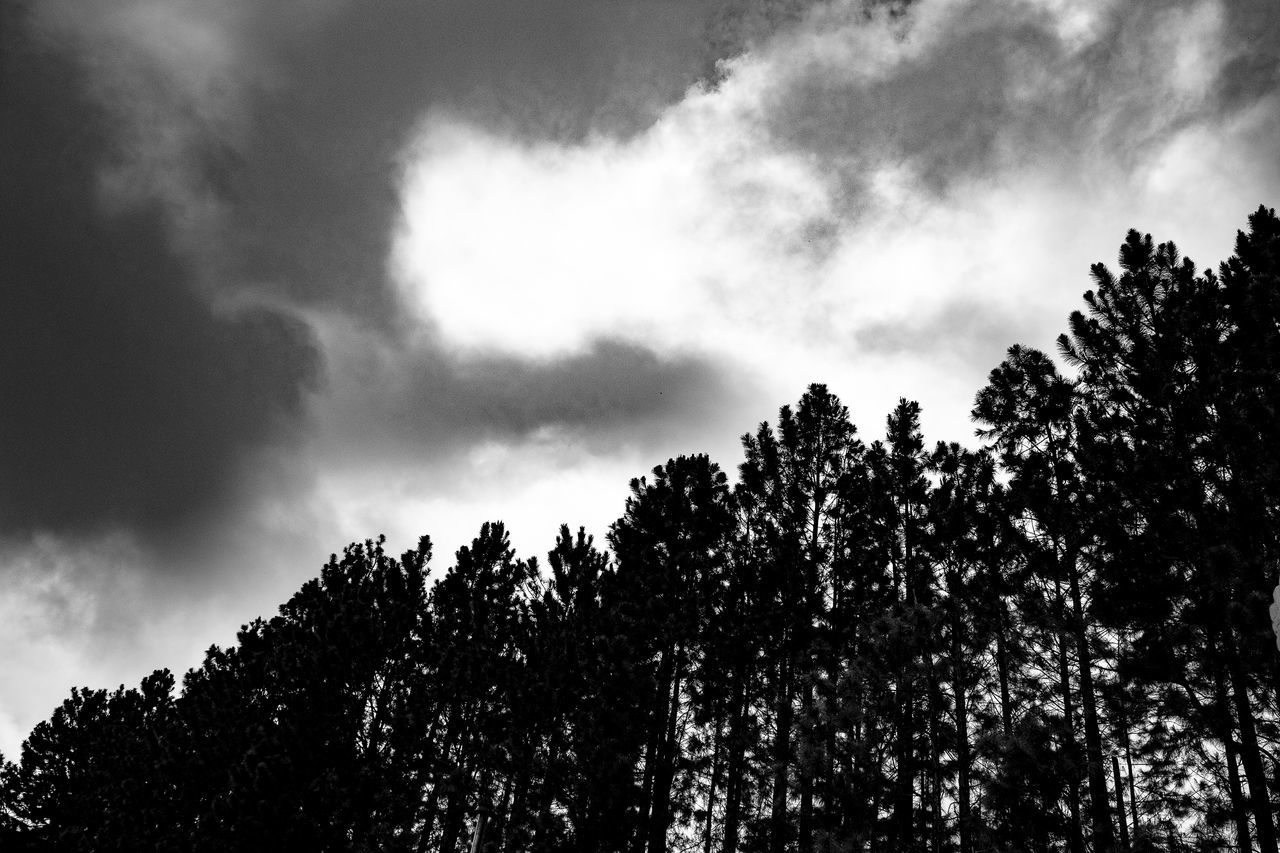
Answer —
417 404
315 188
125 399
315 194
941 114
614 385
1253 40
1003 86
735 27
132 398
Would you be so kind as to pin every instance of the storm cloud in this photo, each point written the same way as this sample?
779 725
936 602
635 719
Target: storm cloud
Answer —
183 185
129 399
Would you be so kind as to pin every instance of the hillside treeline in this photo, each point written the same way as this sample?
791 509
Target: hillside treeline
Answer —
1056 642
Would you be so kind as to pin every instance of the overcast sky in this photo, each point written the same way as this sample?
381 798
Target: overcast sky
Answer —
275 276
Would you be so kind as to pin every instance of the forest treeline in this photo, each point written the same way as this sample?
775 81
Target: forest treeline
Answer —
1056 642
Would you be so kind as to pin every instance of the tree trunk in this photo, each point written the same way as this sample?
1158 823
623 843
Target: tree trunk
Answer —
1068 717
851 816
664 770
962 725
1133 793
453 815
904 786
865 771
878 790
812 608
804 769
736 765
935 748
516 828
653 745
1250 755
717 742
1002 667
1244 841
828 819
1239 810
546 791
1103 836
781 761
439 786
1121 823
455 809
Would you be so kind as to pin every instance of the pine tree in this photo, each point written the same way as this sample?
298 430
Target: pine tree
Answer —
671 543
1029 409
1156 440
788 493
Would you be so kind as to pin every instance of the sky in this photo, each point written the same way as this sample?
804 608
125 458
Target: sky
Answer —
275 277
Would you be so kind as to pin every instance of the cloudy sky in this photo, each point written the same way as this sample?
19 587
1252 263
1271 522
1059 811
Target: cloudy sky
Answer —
278 276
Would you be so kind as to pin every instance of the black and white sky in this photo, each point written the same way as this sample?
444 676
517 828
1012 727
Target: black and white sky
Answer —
275 276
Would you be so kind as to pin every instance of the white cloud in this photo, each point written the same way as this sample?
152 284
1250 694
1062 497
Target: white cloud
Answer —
535 249
708 233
